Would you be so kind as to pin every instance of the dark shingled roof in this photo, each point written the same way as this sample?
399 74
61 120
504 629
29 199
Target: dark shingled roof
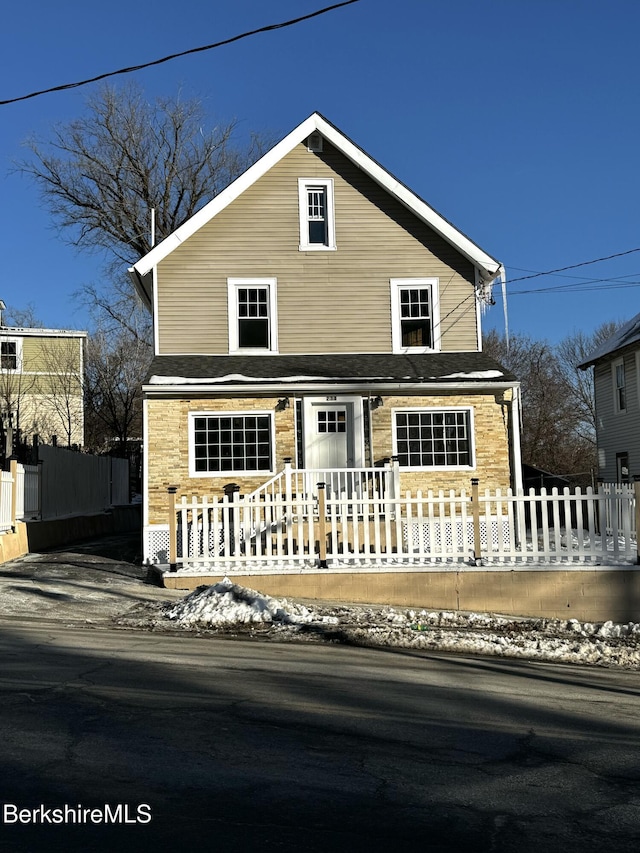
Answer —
341 368
625 336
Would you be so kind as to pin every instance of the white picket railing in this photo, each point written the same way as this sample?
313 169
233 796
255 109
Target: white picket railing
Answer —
332 529
298 482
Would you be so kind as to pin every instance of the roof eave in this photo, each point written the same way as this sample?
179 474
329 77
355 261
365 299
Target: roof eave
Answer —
386 386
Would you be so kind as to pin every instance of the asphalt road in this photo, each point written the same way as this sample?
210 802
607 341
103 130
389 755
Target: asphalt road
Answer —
238 745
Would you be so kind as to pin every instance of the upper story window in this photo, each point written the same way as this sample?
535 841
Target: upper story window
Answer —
415 315
619 386
317 225
10 353
252 315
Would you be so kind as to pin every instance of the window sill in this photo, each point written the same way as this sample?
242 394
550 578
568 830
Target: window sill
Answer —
415 350
253 352
316 248
438 468
229 474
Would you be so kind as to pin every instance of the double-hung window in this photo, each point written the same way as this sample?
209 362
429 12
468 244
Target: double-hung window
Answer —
317 225
415 314
230 442
434 438
619 386
252 315
10 352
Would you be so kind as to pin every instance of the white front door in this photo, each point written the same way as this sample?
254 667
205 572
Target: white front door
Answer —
333 430
333 438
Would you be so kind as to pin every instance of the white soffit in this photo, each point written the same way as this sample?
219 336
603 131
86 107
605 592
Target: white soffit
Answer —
489 267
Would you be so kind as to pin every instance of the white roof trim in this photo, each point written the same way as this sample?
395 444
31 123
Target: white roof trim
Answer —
35 332
488 267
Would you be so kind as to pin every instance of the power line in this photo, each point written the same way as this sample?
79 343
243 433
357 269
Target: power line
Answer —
131 68
573 266
576 288
586 278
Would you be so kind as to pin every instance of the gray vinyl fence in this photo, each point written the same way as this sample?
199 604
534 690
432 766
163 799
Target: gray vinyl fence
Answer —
79 484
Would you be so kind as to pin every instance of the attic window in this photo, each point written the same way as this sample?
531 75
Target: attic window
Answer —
317 225
314 143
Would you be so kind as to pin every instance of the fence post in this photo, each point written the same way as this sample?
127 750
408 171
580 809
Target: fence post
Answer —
287 478
232 493
636 489
475 509
13 468
173 530
395 467
322 525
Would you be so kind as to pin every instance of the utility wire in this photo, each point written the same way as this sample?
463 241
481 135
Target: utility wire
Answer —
580 278
182 53
575 288
573 266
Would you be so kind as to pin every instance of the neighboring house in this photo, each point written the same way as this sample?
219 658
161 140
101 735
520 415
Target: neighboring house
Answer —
41 384
616 375
319 311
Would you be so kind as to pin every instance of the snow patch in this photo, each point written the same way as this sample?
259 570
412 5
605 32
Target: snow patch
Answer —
226 605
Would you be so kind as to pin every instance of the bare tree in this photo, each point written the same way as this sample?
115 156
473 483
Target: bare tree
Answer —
552 438
101 175
61 389
17 414
571 351
23 318
115 368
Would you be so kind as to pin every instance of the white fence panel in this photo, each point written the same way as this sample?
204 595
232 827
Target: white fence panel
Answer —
6 484
362 530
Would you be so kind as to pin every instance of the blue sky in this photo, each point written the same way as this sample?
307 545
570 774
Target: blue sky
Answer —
518 121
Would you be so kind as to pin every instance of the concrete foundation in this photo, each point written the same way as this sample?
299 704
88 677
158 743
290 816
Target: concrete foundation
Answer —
593 595
33 536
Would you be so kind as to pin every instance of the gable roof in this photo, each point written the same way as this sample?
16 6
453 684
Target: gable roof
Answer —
488 267
625 336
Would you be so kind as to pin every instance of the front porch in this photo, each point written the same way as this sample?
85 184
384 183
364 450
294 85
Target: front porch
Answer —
551 554
355 520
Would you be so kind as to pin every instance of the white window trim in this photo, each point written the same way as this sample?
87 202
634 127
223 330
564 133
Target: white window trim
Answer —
223 414
19 364
305 245
398 284
472 436
616 407
233 284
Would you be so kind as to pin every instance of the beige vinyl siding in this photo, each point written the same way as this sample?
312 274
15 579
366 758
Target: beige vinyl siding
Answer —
47 388
51 354
328 301
618 432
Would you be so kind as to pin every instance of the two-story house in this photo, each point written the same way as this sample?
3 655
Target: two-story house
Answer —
319 311
41 384
616 380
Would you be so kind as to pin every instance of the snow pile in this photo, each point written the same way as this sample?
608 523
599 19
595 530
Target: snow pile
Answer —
226 606
226 603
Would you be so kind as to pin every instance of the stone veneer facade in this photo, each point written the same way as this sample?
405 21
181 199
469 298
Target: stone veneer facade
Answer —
168 444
